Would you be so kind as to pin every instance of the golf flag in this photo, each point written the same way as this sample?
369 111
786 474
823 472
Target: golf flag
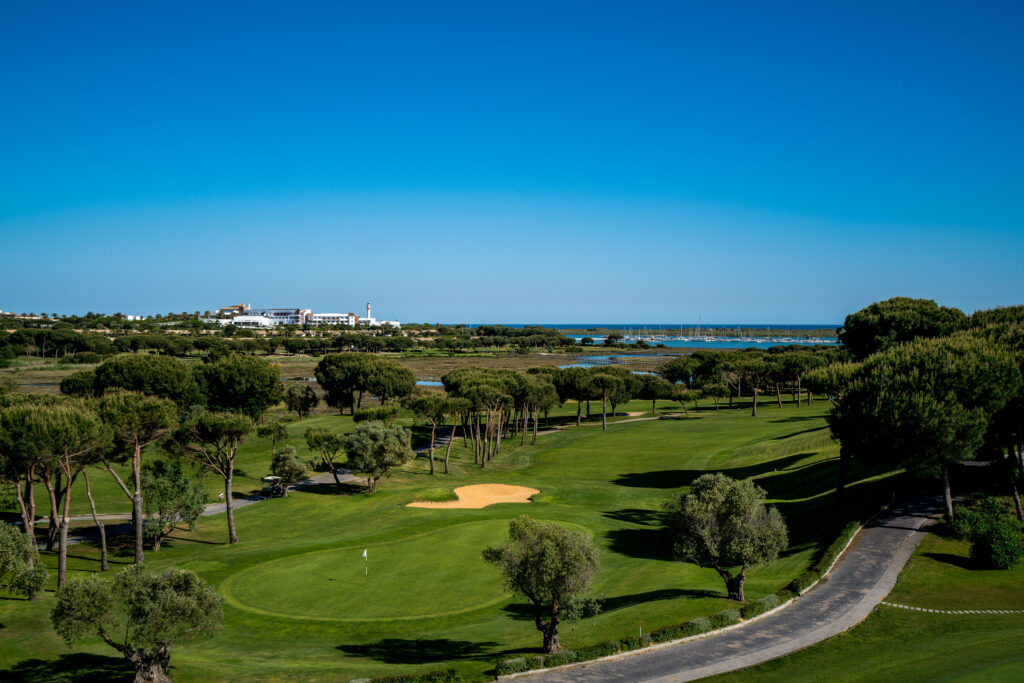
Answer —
364 553
366 566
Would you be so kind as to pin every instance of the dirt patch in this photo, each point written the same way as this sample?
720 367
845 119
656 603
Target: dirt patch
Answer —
481 495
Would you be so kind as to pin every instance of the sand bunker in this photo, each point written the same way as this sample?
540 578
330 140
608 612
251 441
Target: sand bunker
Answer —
481 495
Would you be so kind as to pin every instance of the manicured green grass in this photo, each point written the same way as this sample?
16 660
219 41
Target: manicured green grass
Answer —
295 608
896 644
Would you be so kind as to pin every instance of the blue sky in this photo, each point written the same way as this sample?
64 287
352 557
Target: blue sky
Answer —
513 162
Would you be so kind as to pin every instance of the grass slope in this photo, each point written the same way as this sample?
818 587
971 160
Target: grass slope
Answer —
896 644
295 607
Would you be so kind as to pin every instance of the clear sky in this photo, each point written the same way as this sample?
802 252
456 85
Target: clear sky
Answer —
512 162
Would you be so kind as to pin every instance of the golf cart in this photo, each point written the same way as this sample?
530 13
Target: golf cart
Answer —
273 488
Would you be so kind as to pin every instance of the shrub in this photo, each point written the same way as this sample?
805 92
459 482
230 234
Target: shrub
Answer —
803 582
561 657
725 618
513 665
386 414
967 524
753 609
832 552
700 625
999 544
604 649
449 675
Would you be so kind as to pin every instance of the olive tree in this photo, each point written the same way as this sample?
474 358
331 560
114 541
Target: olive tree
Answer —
170 498
138 614
374 449
722 523
20 569
551 566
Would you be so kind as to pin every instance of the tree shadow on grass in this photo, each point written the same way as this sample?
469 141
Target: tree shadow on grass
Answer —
674 479
645 544
343 489
419 651
955 560
636 516
525 611
796 418
783 437
78 667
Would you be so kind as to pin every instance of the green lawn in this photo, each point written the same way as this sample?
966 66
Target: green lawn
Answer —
897 644
298 606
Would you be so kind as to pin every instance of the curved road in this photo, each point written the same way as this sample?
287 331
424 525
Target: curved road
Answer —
864 575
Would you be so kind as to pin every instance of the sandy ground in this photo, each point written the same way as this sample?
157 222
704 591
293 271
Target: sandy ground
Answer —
481 495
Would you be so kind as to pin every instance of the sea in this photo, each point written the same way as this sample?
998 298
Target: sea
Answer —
690 336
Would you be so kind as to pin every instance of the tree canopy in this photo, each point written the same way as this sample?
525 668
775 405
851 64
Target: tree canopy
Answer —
553 567
893 321
138 614
374 449
723 523
240 384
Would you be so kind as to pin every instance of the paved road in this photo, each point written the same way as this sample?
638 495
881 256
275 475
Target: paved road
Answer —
861 579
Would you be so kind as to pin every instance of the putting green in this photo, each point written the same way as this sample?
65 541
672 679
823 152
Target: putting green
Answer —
435 574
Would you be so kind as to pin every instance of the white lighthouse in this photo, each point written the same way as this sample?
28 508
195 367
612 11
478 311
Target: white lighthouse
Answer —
368 316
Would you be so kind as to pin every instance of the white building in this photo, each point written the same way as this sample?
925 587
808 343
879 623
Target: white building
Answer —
245 316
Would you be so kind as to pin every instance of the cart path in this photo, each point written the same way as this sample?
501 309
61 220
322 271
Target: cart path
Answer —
860 580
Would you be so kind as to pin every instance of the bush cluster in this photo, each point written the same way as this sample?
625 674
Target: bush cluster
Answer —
382 414
807 579
994 533
758 607
449 675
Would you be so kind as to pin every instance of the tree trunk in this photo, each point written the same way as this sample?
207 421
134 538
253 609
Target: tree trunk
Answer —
53 529
548 628
579 410
753 413
551 643
497 438
62 551
778 393
588 409
734 584
150 667
536 418
433 430
27 504
140 557
232 536
948 492
334 472
799 392
604 412
448 448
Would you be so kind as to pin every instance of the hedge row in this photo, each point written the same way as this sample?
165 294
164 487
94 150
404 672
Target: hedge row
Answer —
807 579
690 628
448 675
